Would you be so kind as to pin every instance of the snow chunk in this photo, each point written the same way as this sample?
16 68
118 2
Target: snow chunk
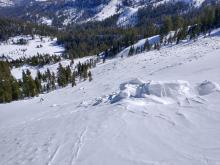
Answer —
128 89
171 89
165 92
207 87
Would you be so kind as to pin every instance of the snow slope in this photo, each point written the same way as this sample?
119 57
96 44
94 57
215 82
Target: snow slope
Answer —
71 11
82 126
128 17
128 14
109 10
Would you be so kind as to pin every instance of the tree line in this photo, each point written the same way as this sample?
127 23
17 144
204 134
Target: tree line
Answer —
12 27
39 60
12 89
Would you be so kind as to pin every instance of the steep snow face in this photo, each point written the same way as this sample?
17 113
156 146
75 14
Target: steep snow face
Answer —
81 126
108 10
128 17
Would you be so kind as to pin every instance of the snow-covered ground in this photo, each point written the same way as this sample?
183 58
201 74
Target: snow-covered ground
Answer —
39 44
154 108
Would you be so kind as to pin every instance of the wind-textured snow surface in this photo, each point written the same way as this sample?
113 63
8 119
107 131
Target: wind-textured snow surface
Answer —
83 126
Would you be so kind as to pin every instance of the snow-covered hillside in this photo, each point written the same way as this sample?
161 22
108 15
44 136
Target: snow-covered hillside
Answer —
128 14
157 107
67 12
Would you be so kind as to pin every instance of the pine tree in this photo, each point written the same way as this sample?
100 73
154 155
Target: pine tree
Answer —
194 32
217 16
53 81
131 51
61 76
147 45
29 88
207 19
39 76
178 22
85 74
25 89
68 74
6 81
38 85
182 34
90 76
16 93
167 25
73 81
32 87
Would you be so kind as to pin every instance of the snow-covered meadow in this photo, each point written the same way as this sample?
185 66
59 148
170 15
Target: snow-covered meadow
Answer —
154 108
34 46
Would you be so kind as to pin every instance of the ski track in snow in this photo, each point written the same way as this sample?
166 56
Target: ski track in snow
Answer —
53 156
77 147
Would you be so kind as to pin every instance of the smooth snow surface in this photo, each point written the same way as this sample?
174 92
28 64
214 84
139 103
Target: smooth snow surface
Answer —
169 113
